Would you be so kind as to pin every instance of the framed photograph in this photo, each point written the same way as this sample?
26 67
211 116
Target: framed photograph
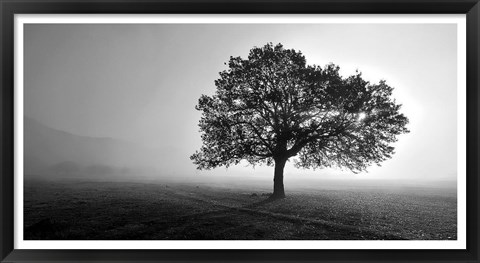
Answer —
251 131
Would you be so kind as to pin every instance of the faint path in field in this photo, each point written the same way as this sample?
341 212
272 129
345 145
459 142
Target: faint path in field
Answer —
71 210
256 209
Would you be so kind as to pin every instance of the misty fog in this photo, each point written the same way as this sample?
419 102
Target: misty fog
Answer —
117 101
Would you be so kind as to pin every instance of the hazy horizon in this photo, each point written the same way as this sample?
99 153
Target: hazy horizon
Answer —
140 84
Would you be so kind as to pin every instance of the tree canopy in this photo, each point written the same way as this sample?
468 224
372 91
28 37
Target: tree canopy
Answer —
273 106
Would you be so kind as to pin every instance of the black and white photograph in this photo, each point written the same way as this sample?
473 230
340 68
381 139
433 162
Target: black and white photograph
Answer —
243 131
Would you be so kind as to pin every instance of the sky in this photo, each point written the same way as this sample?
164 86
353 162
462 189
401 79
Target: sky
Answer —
140 83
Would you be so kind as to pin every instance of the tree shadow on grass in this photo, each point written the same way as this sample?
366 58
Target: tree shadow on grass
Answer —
270 199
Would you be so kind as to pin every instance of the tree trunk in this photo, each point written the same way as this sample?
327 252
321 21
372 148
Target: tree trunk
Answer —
278 190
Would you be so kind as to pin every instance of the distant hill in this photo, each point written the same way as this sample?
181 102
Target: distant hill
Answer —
47 149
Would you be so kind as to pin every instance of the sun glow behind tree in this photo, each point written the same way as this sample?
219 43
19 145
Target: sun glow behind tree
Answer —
150 105
272 106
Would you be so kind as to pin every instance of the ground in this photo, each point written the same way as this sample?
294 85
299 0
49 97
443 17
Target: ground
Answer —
96 210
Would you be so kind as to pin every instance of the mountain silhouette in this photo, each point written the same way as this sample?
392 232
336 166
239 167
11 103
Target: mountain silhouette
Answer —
47 148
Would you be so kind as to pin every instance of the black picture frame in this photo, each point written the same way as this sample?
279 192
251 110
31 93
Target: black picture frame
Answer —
8 8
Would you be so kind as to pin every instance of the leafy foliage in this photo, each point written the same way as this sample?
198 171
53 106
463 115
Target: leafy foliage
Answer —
273 106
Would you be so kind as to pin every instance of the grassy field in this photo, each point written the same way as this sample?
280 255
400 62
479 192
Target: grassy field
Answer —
76 210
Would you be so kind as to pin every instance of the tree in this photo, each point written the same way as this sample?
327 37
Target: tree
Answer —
273 106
